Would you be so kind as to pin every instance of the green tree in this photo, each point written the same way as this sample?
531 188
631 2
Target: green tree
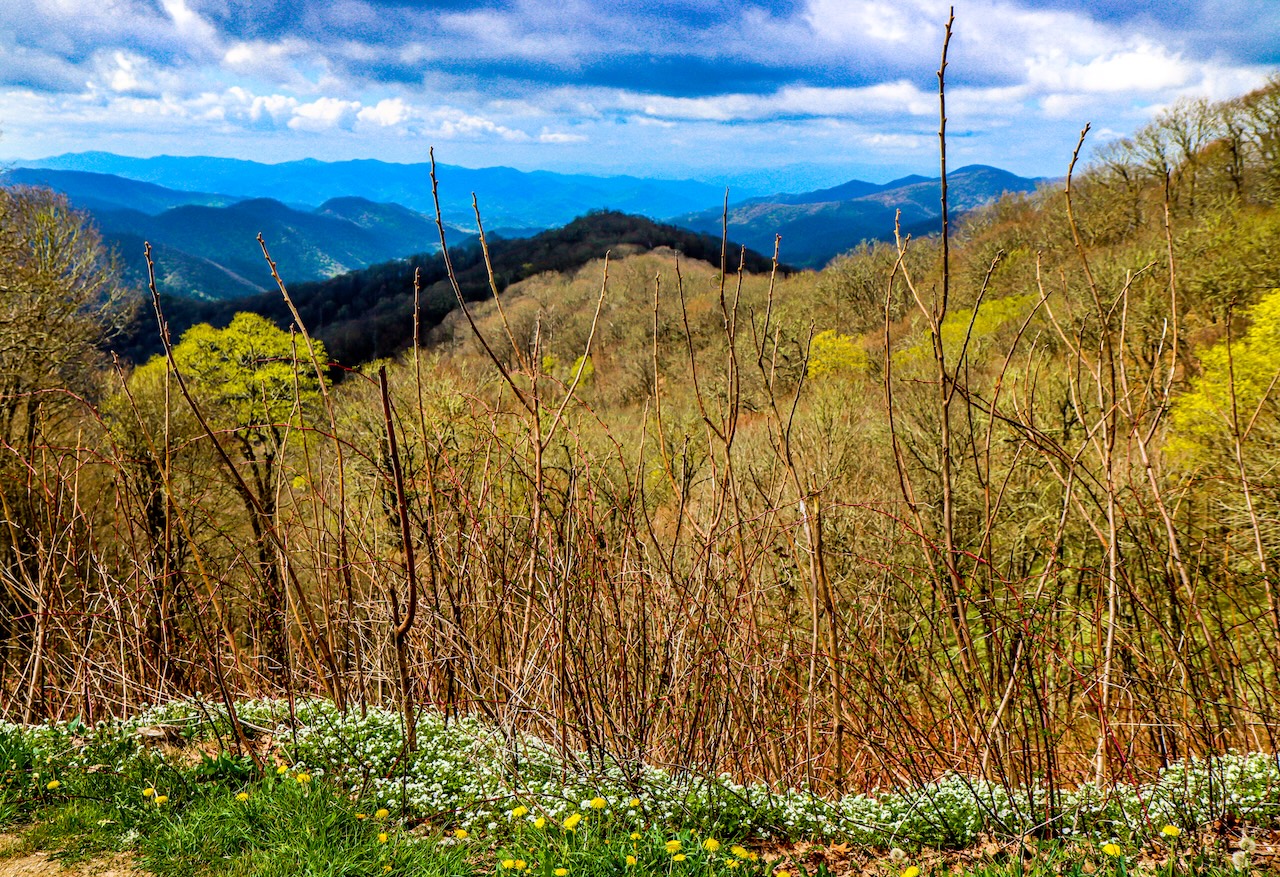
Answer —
253 390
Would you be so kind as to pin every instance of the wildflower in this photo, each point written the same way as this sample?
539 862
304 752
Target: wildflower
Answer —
303 778
381 813
635 802
783 873
678 857
383 837
711 844
281 770
52 784
635 835
897 856
631 860
1248 845
739 851
540 823
913 871
243 796
598 803
673 846
1111 849
508 864
461 833
751 857
519 811
571 821
362 816
521 864
1171 831
148 792
732 864
386 869
1240 860
160 799
561 872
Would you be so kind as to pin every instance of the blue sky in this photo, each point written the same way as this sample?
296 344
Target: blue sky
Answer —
806 92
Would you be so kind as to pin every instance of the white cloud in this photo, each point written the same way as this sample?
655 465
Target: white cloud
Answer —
385 113
323 114
560 137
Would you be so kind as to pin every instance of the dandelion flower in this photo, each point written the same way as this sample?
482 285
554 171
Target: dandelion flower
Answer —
383 837
508 864
381 813
1111 849
519 811
1171 831
540 823
598 803
160 799
243 796
148 792
386 869
732 864
303 778
571 821
739 851
561 872
782 873
1240 860
635 802
631 860
362 816
751 857
711 844
635 835
461 833
673 846
281 770
1248 845
521 864
52 784
913 871
678 857
897 856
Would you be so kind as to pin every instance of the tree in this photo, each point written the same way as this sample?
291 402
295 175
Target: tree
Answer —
253 390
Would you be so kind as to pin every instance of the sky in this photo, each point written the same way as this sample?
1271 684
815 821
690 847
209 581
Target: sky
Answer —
802 92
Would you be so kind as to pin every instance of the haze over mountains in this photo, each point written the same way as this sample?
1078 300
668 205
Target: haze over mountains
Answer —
321 220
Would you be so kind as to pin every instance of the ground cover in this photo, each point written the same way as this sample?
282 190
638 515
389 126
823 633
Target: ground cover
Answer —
323 793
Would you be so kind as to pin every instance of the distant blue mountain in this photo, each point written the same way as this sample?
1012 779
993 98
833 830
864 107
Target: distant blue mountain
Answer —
507 197
817 226
99 191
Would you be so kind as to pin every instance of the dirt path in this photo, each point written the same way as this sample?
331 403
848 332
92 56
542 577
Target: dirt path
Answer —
24 864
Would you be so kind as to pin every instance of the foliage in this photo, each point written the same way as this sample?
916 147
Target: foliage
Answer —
832 354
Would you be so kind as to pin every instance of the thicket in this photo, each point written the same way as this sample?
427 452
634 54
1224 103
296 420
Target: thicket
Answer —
1000 502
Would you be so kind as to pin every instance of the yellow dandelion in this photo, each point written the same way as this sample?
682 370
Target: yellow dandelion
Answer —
1111 849
243 796
598 803
782 873
913 871
571 821
561 872
521 864
52 784
739 851
383 837
303 778
160 799
635 802
461 833
751 857
673 846
540 823
362 816
386 869
711 844
732 864
631 860
1171 831
381 813
520 811
148 792
281 770
635 835
508 864
678 857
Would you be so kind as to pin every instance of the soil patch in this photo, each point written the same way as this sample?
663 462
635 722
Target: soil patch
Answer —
16 861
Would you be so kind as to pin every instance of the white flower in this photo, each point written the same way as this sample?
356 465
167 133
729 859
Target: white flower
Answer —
1240 860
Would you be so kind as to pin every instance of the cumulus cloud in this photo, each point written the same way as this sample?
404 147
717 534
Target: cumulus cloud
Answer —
385 113
323 114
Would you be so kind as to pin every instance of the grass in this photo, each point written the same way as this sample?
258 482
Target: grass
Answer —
195 809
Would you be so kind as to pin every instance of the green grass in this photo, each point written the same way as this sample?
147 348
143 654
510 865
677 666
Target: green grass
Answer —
84 793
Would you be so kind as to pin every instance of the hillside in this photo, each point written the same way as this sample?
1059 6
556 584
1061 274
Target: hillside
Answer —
817 226
367 314
103 192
